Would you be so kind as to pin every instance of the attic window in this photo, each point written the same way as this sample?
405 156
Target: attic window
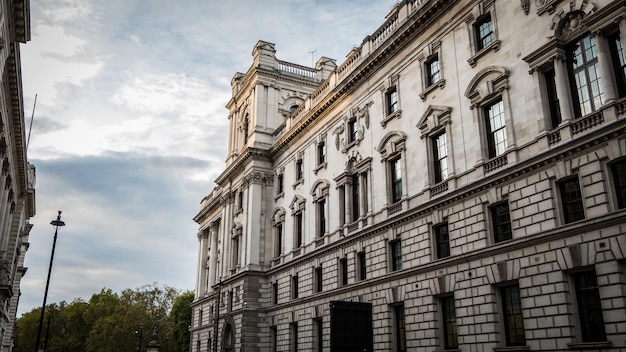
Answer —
293 108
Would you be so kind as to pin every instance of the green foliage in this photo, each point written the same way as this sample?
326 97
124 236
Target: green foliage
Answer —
110 322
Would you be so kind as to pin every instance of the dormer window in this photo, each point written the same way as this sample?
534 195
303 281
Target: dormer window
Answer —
293 108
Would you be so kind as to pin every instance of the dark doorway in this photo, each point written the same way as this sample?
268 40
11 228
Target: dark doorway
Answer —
351 327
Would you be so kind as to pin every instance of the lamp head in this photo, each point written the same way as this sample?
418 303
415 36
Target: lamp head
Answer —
58 222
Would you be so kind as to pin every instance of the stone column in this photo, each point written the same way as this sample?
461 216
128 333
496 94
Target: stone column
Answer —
563 88
213 233
607 77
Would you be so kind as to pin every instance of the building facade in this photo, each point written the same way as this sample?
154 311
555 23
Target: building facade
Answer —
457 183
17 176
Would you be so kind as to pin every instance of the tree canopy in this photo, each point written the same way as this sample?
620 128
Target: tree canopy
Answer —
111 322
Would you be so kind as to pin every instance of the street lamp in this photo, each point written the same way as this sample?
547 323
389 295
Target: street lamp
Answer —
56 223
140 333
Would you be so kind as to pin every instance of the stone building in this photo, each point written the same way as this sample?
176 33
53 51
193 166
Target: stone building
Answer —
457 183
17 176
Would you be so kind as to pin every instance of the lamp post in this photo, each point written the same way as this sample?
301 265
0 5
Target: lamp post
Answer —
140 333
56 223
217 319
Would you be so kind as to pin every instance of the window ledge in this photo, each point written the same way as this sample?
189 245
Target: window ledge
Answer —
279 195
589 345
495 46
395 114
511 349
319 167
440 83
298 182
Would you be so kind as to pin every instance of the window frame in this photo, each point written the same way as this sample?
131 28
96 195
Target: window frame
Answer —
343 271
484 14
442 240
584 70
567 202
585 309
512 335
395 255
497 223
492 131
294 286
440 173
318 279
361 265
449 340
618 182
399 322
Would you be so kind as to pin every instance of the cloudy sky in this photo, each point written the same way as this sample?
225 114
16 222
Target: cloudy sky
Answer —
130 127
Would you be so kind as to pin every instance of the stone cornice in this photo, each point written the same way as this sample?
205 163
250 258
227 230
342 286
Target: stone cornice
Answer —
241 159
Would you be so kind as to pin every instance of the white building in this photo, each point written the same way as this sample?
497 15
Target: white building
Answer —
17 176
458 183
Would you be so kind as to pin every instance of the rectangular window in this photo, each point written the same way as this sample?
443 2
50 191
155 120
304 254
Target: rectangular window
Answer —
442 240
619 179
278 250
294 287
448 317
293 329
353 130
553 98
274 337
343 271
342 204
299 170
230 301
362 265
275 292
321 153
396 255
400 325
392 100
395 166
496 131
319 334
501 220
484 32
589 308
571 200
317 280
321 217
280 189
512 313
585 76
433 73
619 64
299 232
355 197
440 156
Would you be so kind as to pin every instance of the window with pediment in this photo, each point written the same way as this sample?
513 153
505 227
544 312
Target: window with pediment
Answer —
432 69
391 100
319 193
392 152
297 212
278 223
490 106
434 128
483 30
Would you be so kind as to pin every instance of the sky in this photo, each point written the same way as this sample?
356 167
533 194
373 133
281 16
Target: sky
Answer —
130 125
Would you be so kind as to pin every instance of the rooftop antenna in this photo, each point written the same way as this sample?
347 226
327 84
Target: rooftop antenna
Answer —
313 57
32 117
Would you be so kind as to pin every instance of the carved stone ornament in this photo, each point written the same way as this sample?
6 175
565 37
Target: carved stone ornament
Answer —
571 25
338 132
545 6
526 6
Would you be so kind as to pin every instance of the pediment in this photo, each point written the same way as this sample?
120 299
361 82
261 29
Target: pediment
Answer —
433 118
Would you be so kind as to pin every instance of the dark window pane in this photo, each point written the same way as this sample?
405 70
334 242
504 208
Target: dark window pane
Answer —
584 72
501 222
619 178
392 101
396 255
440 156
362 266
400 328
553 99
442 240
513 320
448 313
589 308
484 32
496 131
396 179
571 199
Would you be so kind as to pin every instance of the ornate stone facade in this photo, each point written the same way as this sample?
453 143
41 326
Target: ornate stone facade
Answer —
473 198
17 176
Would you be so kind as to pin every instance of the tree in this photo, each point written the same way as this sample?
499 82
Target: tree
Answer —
108 322
181 315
